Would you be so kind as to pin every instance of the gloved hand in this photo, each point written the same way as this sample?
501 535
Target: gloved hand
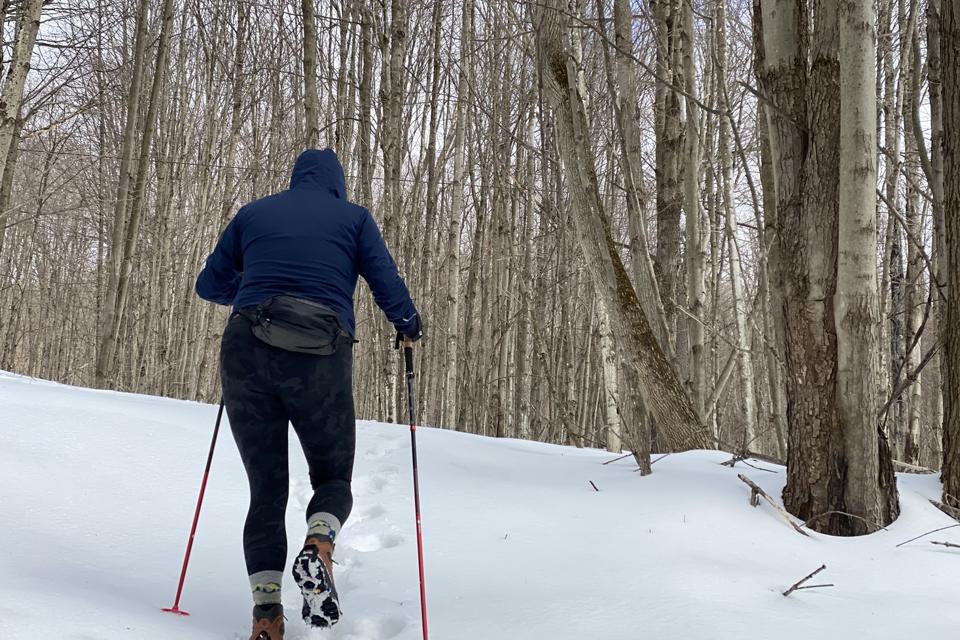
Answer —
413 334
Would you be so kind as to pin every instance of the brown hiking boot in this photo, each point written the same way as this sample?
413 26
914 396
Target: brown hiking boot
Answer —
325 548
267 623
313 571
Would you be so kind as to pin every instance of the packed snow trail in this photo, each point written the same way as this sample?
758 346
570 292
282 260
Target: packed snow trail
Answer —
99 488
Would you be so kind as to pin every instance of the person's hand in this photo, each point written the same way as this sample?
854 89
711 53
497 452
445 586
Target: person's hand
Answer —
409 336
407 340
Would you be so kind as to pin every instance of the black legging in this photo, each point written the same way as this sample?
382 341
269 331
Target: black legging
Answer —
264 388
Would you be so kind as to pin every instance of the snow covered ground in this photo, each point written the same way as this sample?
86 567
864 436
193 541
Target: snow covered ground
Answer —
97 491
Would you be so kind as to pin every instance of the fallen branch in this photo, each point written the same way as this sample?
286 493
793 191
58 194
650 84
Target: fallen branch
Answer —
946 544
755 494
594 486
797 586
924 535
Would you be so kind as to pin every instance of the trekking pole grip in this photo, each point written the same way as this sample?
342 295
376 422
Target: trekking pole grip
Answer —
408 355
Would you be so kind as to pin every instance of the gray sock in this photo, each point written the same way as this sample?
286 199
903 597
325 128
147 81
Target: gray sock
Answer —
323 524
265 586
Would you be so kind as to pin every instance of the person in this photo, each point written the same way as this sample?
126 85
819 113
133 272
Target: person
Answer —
288 264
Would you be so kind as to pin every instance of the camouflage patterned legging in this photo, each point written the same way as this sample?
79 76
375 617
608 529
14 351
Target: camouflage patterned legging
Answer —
264 388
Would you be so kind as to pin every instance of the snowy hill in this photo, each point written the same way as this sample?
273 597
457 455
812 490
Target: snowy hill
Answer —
98 490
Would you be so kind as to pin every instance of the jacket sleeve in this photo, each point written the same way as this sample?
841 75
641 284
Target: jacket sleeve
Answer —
220 279
377 267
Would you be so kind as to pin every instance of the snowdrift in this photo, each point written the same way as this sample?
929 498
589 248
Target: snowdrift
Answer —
97 490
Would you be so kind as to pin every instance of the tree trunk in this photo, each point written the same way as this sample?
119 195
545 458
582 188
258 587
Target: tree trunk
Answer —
611 389
146 142
106 345
12 95
694 254
950 60
669 133
934 79
311 100
870 490
677 420
825 439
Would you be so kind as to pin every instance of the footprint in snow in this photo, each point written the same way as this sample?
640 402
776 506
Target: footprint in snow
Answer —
388 470
369 485
366 543
302 493
373 512
371 628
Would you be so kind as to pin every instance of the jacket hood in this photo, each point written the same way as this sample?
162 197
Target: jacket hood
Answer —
319 169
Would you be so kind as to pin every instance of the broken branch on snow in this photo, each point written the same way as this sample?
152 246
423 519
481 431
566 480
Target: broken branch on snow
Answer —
924 535
757 492
946 544
798 585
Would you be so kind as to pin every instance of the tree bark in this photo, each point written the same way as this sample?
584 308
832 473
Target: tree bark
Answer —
870 490
825 438
669 142
950 60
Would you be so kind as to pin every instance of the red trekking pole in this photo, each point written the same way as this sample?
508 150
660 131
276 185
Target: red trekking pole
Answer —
196 517
408 358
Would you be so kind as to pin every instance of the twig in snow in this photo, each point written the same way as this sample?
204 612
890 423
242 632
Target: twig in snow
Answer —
742 457
799 584
946 544
594 486
755 494
626 455
653 462
924 535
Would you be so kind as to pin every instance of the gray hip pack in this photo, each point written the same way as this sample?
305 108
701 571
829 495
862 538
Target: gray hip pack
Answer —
294 324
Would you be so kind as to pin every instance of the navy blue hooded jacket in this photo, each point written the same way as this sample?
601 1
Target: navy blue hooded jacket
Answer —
310 242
